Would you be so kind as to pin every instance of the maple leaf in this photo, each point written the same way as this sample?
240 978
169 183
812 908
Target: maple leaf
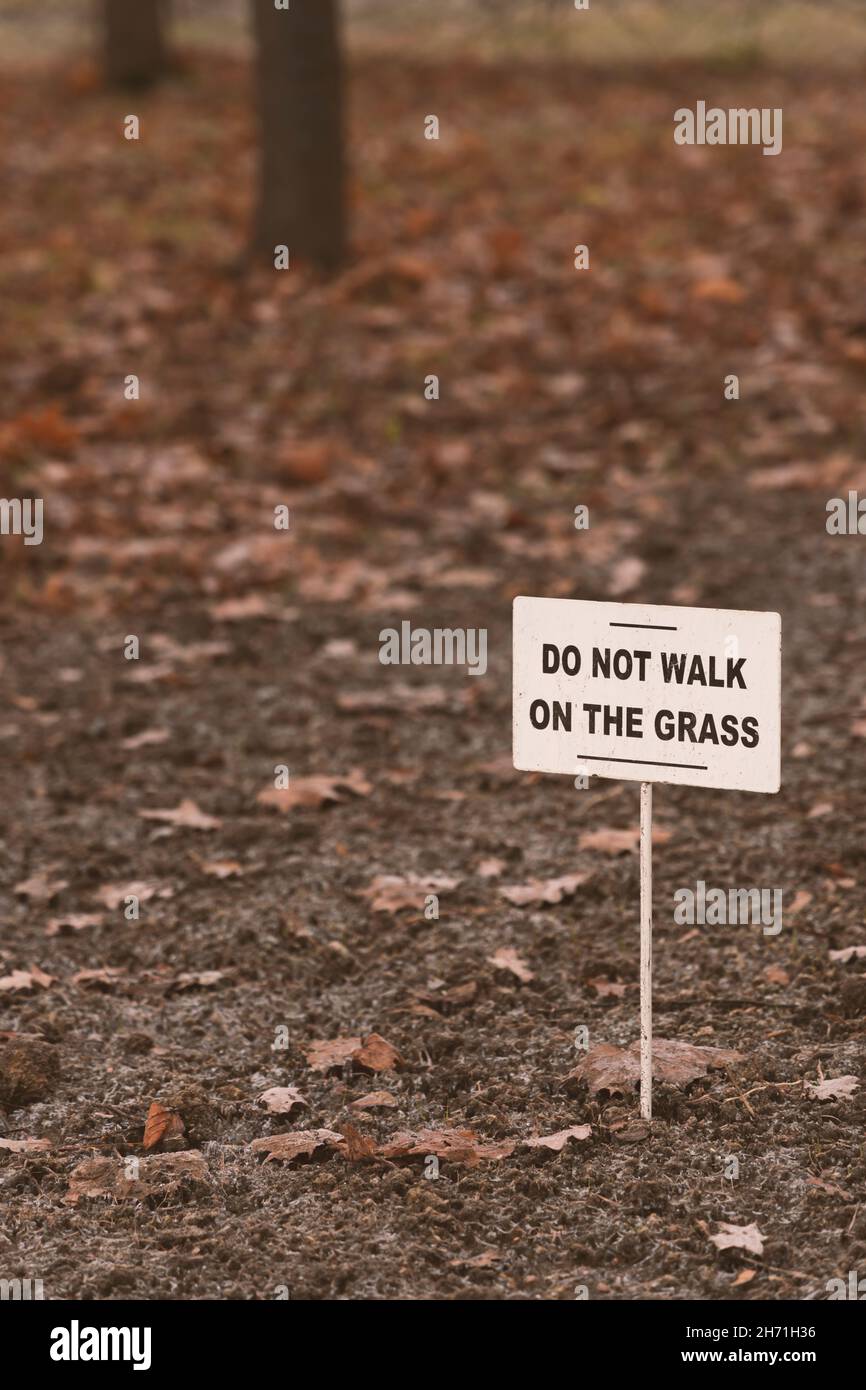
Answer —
187 816
550 890
617 1069
833 1088
731 1237
506 958
281 1100
313 791
391 893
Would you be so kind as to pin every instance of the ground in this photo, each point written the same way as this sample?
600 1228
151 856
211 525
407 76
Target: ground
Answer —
259 648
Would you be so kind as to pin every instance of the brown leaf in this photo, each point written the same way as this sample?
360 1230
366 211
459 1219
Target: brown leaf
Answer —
610 841
549 890
558 1141
73 922
197 979
158 1173
490 868
238 610
40 888
186 816
833 1088
745 1276
390 893
114 894
313 791
730 1237
146 739
25 1146
455 1145
399 697
222 868
776 975
607 988
298 1143
161 1124
335 1052
102 978
374 1101
617 1069
357 1145
506 958
23 981
375 1054
848 953
281 1100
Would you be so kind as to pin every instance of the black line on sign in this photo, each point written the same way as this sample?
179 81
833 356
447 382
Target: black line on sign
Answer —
654 627
643 762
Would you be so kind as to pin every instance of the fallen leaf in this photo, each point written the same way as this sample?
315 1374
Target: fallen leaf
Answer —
161 1124
156 1173
611 841
490 868
739 1238
25 1146
833 1088
801 900
374 1101
821 808
375 1054
40 888
299 1143
73 922
146 739
506 958
745 1276
617 1069
187 816
23 981
454 1145
113 894
558 1141
848 953
390 893
238 610
776 975
102 978
335 1052
357 1145
607 988
399 696
222 868
197 979
313 791
549 890
281 1100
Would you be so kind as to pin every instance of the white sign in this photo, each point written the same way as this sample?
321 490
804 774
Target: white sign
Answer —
648 693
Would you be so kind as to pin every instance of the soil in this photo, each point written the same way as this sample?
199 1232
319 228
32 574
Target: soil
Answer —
556 390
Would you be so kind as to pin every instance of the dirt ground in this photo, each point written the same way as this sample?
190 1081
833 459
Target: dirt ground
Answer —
557 388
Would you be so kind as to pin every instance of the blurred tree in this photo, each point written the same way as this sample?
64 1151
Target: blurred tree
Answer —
301 199
136 53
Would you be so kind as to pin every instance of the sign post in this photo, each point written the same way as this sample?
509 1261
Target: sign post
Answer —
648 693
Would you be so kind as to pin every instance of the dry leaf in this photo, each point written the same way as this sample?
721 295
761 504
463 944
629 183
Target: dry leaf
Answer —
114 894
197 979
146 739
375 1054
398 697
558 1141
801 900
506 958
739 1238
607 988
281 1100
40 888
611 841
833 1088
73 922
745 1276
222 868
335 1052
313 791
299 1143
549 890
617 1069
776 975
848 953
453 1145
390 893
490 868
23 981
157 1173
161 1124
237 610
357 1146
102 978
374 1101
25 1146
187 816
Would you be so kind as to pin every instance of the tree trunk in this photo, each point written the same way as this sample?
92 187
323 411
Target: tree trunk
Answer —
135 49
301 199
